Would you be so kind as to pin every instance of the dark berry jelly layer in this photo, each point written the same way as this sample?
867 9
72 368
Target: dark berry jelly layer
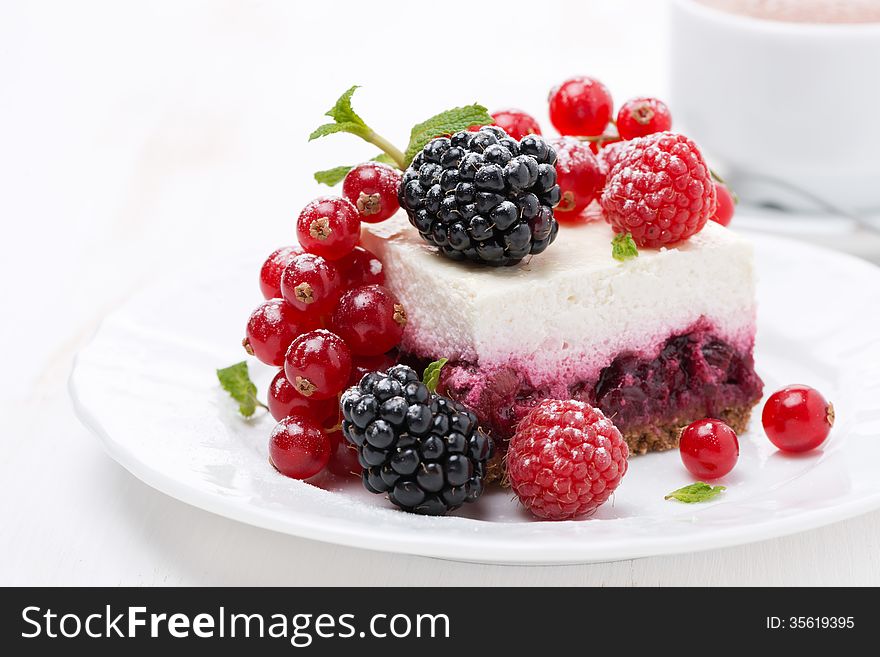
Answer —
694 375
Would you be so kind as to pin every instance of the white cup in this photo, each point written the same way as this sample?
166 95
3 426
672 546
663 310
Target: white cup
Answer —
790 110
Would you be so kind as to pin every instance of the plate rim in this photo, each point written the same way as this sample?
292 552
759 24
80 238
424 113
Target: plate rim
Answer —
306 524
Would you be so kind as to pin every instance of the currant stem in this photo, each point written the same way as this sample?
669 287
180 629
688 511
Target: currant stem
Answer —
387 147
599 138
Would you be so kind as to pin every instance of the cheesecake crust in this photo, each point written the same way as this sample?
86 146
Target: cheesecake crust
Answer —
662 437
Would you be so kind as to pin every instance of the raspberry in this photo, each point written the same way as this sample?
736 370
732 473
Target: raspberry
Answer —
659 190
643 116
579 176
724 205
609 155
580 106
372 188
565 459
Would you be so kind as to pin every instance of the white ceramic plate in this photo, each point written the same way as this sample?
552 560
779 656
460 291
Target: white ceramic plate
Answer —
146 386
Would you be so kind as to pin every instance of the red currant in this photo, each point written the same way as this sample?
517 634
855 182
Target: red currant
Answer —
329 227
369 319
271 328
580 106
602 142
270 272
311 284
360 267
709 449
361 365
642 116
724 205
579 176
372 188
318 364
298 448
343 457
284 400
797 418
516 123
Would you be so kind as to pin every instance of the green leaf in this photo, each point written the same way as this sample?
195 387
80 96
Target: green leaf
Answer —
717 178
329 128
696 492
336 175
445 123
342 111
623 247
345 119
237 382
332 176
384 158
431 377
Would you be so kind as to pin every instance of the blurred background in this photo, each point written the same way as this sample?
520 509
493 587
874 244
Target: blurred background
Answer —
139 136
136 138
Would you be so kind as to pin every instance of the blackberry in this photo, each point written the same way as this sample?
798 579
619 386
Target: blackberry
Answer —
483 196
425 450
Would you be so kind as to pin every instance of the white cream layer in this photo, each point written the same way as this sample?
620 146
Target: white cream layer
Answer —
565 314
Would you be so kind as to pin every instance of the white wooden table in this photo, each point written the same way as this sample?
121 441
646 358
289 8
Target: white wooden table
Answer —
134 139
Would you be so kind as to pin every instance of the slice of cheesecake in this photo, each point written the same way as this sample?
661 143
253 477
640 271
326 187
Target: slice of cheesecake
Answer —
654 342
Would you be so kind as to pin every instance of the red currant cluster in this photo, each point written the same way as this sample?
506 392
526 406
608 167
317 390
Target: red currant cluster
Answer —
581 110
796 418
326 321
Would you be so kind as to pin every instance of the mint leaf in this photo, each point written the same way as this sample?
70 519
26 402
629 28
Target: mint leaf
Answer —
431 377
237 382
445 123
332 176
623 247
342 111
384 158
336 175
717 178
345 119
330 128
696 492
